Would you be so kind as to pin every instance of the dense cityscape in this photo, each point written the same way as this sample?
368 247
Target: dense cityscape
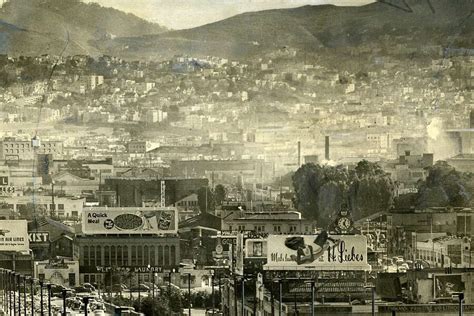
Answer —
296 182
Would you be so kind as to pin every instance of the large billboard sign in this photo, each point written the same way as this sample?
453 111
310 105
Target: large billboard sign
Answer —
62 272
317 252
447 285
14 235
130 220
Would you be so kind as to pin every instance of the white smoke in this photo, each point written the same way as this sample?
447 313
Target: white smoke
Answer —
438 141
435 128
330 163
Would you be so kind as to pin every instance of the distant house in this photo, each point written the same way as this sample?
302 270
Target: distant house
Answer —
73 185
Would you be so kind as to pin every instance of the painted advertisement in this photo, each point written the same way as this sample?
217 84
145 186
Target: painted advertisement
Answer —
58 271
14 235
130 220
447 285
317 252
256 248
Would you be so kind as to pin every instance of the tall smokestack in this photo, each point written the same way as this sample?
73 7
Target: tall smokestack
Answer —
299 154
471 119
326 148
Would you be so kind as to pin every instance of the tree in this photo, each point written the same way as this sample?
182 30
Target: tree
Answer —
371 190
444 186
206 200
321 191
220 194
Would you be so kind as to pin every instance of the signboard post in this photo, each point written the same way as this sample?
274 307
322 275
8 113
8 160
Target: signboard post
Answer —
14 236
130 220
313 252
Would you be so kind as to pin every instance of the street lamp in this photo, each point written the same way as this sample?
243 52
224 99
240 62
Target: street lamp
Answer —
139 297
85 300
461 300
32 294
313 283
212 291
18 287
189 294
41 297
13 278
243 295
372 287
24 294
280 297
64 295
48 287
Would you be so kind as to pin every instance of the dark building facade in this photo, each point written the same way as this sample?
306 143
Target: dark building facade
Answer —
124 256
136 191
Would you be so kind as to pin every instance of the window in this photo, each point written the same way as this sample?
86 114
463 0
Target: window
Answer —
152 255
167 256
140 255
106 256
41 276
277 228
230 228
119 256
92 255
173 255
98 256
72 279
86 255
60 206
241 228
146 253
134 256
161 260
292 229
259 228
113 257
125 256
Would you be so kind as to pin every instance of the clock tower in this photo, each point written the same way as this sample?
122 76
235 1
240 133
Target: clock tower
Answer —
343 223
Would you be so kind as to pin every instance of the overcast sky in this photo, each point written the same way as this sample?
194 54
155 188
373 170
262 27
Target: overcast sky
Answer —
181 14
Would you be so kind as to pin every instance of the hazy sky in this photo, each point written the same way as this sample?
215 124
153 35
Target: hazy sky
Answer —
180 14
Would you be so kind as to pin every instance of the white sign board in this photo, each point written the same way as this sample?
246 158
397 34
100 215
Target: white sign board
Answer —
14 235
130 220
317 252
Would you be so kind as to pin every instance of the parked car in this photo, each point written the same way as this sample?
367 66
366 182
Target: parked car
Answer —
142 288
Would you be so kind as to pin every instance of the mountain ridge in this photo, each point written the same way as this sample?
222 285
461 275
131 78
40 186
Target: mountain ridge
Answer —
47 24
308 27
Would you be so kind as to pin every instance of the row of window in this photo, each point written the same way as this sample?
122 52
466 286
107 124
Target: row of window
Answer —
27 145
134 255
276 228
17 151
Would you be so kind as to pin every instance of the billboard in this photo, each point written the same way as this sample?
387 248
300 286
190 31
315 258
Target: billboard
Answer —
256 248
447 285
130 220
14 235
317 252
60 271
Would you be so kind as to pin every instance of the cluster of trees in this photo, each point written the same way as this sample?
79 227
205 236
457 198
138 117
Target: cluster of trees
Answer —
444 186
208 199
171 303
321 191
168 303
